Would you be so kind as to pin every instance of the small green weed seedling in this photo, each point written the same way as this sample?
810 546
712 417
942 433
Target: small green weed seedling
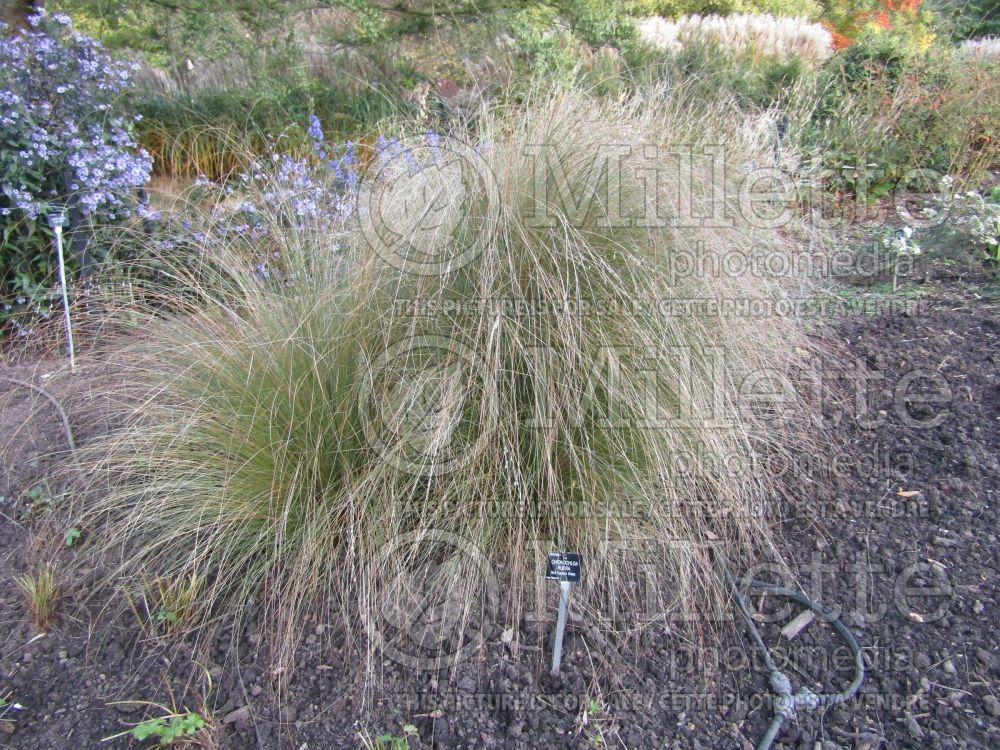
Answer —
40 498
174 725
166 729
389 741
595 724
71 536
41 592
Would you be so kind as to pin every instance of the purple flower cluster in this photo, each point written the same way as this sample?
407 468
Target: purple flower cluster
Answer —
64 139
299 193
281 195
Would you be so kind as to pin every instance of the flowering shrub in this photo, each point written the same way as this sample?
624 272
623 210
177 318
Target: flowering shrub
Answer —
900 244
957 224
64 144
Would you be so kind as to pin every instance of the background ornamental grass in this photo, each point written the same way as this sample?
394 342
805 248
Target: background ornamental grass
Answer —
265 461
759 34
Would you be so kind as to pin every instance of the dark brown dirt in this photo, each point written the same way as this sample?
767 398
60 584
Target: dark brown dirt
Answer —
911 505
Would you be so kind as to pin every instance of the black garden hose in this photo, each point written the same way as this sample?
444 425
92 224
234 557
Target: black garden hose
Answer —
786 703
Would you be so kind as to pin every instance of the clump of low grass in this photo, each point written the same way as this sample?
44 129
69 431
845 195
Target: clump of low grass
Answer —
212 132
392 422
41 593
707 73
165 604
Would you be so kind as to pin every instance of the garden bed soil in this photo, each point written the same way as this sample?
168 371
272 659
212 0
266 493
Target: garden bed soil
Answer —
902 540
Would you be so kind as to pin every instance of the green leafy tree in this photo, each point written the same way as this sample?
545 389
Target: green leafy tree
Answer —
968 19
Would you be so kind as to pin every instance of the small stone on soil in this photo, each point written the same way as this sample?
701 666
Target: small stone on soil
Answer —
240 715
991 705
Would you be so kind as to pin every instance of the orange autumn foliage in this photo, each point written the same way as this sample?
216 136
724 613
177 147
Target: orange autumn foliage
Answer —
845 24
838 40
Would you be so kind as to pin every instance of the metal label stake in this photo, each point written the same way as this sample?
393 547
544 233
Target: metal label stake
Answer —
564 567
57 220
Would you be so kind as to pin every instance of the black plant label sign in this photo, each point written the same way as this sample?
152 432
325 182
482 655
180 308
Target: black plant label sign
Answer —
564 566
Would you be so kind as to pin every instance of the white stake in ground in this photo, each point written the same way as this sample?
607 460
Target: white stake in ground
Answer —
57 220
564 587
563 567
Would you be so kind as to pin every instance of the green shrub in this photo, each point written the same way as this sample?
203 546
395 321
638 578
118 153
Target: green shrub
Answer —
599 22
882 112
875 60
878 56
976 19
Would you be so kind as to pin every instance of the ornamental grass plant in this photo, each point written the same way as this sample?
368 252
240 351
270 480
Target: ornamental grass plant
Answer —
482 363
761 35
